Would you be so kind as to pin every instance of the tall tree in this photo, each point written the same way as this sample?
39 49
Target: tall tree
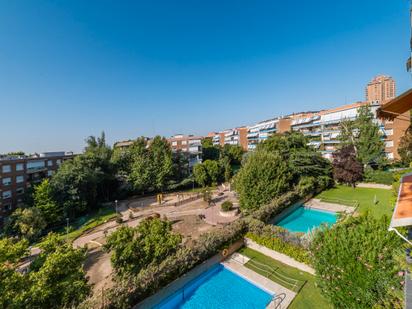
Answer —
209 151
364 134
45 202
346 166
162 163
405 147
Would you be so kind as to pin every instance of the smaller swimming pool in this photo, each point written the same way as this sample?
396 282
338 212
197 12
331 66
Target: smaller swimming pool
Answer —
216 288
305 219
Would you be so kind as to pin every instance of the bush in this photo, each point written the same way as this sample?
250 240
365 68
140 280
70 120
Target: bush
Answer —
277 244
119 219
227 206
356 263
382 177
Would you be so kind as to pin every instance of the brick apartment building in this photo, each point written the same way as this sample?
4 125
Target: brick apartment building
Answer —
235 136
188 144
17 173
380 89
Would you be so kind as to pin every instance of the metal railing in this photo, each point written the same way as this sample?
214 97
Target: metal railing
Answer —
281 297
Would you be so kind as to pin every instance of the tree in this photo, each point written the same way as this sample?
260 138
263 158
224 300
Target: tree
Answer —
346 167
405 147
136 248
13 283
207 173
364 134
27 223
209 151
233 152
45 202
162 164
57 276
356 263
264 176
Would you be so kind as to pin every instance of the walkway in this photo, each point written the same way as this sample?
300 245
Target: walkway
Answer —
236 266
373 186
318 204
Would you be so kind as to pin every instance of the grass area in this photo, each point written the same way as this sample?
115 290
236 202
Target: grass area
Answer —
366 198
85 223
309 295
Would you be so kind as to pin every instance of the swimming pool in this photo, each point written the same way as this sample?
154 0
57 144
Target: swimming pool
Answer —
305 219
217 288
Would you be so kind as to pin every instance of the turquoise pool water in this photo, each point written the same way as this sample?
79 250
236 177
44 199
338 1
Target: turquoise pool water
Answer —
217 288
305 219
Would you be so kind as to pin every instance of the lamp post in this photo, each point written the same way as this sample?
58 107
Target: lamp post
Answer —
115 206
67 228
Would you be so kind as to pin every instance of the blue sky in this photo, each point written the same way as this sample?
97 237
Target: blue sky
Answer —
69 69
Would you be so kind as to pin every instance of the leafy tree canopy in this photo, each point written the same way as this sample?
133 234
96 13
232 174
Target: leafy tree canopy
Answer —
356 263
135 248
346 167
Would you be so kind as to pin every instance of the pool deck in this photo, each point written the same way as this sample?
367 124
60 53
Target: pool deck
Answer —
236 262
318 204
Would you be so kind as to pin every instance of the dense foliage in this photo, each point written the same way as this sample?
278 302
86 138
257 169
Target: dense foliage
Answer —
136 248
347 168
55 279
26 223
378 176
356 263
226 206
364 135
207 173
278 165
405 147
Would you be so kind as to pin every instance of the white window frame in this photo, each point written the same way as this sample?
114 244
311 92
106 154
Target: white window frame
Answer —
19 167
6 196
19 177
6 183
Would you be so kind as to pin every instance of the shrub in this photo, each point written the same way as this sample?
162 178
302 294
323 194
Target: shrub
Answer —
382 177
277 244
227 205
356 263
119 219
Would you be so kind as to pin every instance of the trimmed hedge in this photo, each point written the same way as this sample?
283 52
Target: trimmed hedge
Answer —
382 177
298 253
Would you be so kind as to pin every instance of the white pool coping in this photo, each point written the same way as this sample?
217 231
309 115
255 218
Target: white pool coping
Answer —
260 281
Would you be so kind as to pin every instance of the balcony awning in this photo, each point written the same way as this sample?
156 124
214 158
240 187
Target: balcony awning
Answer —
396 107
402 215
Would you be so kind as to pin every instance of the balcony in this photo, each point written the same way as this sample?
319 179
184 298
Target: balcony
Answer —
31 170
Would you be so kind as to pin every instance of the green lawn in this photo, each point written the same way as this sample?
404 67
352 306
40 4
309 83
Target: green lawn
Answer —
364 196
309 295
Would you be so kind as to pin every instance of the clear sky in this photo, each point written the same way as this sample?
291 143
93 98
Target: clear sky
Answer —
69 69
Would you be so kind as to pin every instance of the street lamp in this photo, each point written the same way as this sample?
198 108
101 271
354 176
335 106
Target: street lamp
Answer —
67 228
115 206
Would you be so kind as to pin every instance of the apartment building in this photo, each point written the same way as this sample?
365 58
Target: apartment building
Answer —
235 136
380 89
323 128
261 131
17 173
188 144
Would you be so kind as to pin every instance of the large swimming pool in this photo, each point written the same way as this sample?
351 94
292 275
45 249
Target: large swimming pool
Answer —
305 219
218 288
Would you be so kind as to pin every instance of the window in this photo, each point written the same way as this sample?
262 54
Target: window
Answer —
6 194
389 155
19 166
49 173
7 206
6 181
20 191
50 163
389 132
36 165
389 144
58 161
174 143
184 142
6 168
19 179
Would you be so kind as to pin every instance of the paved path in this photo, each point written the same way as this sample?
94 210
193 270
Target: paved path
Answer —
318 204
373 186
264 283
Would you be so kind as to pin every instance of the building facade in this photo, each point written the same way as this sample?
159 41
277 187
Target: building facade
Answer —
323 128
188 144
236 136
381 89
18 173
